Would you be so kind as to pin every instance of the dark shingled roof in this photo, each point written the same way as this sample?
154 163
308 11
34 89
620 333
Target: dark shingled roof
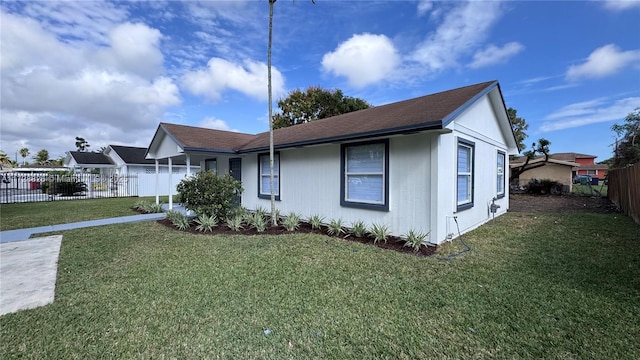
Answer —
428 112
90 158
135 155
194 138
422 113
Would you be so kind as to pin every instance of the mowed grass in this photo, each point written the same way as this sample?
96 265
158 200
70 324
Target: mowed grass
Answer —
533 286
593 190
28 215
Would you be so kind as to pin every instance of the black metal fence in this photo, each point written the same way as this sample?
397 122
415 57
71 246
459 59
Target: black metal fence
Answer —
21 187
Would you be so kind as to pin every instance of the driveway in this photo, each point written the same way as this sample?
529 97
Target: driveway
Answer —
28 271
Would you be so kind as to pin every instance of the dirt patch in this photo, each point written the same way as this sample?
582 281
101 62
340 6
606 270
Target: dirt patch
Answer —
561 203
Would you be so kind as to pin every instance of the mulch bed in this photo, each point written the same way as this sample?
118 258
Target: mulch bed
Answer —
393 243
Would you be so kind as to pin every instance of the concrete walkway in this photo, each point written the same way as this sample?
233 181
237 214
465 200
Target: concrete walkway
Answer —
28 267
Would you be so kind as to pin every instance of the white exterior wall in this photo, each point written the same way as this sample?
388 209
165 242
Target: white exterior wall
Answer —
310 185
147 181
477 124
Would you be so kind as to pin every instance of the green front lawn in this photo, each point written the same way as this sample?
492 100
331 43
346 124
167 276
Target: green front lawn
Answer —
28 215
549 286
593 190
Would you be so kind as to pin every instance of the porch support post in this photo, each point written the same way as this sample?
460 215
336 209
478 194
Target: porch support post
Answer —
157 182
170 183
188 165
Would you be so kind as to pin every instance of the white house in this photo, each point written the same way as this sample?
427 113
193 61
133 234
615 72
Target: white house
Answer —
417 164
118 161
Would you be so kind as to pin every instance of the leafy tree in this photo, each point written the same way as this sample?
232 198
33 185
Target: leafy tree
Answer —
314 103
24 152
627 149
519 126
82 144
271 152
42 157
541 149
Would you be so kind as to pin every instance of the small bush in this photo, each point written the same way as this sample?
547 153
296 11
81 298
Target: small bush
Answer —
206 223
543 187
379 233
414 239
335 227
316 221
178 219
358 229
291 222
152 208
210 194
140 204
258 221
235 223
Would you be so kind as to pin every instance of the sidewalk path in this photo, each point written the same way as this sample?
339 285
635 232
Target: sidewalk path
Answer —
23 234
28 267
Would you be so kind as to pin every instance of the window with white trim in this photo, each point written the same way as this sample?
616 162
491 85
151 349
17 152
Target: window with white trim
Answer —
464 188
500 185
364 175
592 172
264 176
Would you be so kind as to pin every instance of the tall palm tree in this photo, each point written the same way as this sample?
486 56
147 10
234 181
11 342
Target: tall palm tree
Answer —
274 221
24 152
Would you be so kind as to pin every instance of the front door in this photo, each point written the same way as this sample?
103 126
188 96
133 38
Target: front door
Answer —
235 169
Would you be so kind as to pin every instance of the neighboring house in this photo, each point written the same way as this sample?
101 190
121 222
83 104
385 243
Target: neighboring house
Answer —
120 161
433 164
556 170
587 164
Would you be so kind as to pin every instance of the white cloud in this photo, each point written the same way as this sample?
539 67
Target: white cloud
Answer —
55 87
492 54
249 78
364 59
463 30
620 5
603 61
589 112
213 123
424 6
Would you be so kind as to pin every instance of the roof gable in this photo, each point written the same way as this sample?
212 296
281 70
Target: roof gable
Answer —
132 155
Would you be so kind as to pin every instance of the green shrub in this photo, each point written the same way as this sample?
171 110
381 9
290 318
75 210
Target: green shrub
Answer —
358 229
291 222
316 221
178 219
63 188
335 227
379 233
206 223
208 194
258 221
235 223
414 239
152 208
544 187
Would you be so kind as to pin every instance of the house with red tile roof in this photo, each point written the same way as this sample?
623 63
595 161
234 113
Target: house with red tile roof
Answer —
435 163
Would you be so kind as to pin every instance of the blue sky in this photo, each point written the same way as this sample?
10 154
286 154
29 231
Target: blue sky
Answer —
111 71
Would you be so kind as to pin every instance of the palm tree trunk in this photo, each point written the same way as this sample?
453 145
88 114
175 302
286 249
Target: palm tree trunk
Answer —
274 221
